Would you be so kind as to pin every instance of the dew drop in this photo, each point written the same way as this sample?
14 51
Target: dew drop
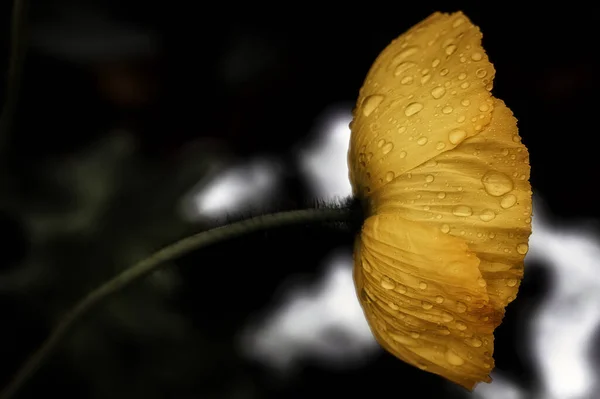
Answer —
438 92
387 283
445 229
380 143
522 248
413 108
487 215
453 358
387 148
435 63
371 103
447 317
403 67
476 56
402 129
465 102
475 342
403 339
462 210
461 307
393 306
401 289
497 184
484 107
459 21
439 299
367 267
425 79
508 201
429 178
447 109
389 176
451 49
407 52
444 72
441 195
426 305
464 85
461 326
440 145
511 282
423 285
407 80
456 136
480 73
462 76
402 154
422 141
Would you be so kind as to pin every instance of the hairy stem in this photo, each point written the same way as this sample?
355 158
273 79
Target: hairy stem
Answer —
153 263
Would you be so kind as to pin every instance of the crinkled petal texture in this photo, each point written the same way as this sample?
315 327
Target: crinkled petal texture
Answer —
444 176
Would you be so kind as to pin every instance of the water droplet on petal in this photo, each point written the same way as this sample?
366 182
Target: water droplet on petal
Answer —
422 141
476 56
450 49
462 76
387 283
461 326
440 145
487 215
445 229
407 80
413 108
438 92
387 148
423 285
461 307
403 67
462 210
371 103
439 299
474 342
426 305
459 21
389 176
511 282
453 358
508 201
497 184
522 248
456 136
447 109
367 267
480 73
441 195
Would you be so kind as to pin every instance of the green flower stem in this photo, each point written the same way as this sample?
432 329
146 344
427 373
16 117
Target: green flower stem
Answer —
154 262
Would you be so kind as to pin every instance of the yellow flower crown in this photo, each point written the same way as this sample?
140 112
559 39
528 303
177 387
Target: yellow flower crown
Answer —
439 167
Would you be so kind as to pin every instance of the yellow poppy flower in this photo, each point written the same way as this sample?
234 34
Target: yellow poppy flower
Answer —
440 169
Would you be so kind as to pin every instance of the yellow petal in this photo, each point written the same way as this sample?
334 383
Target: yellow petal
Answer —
478 192
426 92
422 294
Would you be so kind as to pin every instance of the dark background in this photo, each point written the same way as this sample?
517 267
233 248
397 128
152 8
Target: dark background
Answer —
126 105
